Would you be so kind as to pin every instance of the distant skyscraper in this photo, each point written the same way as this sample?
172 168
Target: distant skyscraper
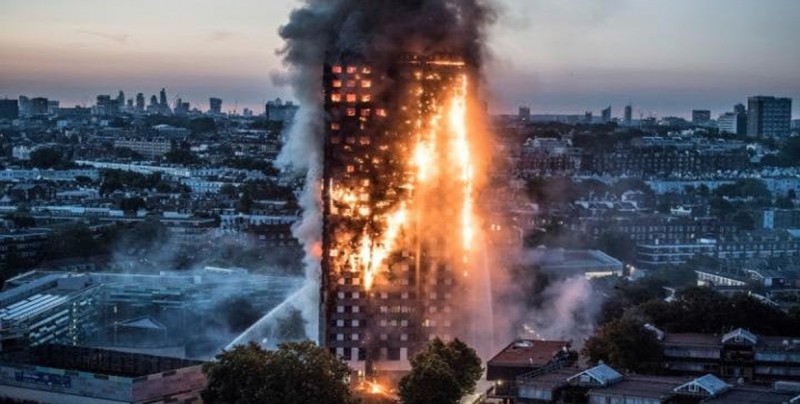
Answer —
24 106
121 99
732 122
525 114
153 101
279 111
740 109
163 97
769 116
162 102
628 114
39 106
606 114
9 109
106 105
53 107
140 102
215 105
701 116
588 117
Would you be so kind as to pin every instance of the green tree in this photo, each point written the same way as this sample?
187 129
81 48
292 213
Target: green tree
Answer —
131 205
229 191
73 240
460 359
626 345
297 373
45 158
431 381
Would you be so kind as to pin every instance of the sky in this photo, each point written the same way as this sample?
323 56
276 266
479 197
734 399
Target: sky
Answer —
666 57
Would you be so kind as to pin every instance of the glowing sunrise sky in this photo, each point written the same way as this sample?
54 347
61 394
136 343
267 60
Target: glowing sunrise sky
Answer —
561 56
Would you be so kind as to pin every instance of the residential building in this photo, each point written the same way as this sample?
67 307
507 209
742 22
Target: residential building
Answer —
769 116
737 354
372 321
525 357
22 247
153 149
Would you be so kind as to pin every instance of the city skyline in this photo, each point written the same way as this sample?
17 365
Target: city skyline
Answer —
665 59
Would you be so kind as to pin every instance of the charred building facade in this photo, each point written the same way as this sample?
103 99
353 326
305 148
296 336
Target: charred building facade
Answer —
388 268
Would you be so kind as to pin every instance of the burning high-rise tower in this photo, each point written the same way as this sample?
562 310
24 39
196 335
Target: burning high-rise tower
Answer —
397 181
390 157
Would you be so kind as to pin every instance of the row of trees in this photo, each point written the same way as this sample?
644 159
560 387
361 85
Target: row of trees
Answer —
302 372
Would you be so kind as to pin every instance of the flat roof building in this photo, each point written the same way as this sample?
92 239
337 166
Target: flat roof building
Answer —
68 374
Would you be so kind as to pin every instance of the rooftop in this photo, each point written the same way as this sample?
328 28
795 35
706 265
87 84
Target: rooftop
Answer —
655 387
528 353
94 360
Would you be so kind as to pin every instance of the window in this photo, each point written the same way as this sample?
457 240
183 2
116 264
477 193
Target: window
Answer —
355 323
336 97
340 337
340 309
351 98
351 83
366 84
366 112
351 112
336 69
366 98
336 126
356 309
336 84
340 323
354 337
352 70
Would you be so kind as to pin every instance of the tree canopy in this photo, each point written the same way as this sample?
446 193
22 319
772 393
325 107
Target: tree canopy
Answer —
441 373
297 373
625 344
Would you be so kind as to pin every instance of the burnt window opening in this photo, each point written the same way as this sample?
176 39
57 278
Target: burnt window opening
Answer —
336 69
366 98
336 97
351 98
336 84
352 70
366 83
